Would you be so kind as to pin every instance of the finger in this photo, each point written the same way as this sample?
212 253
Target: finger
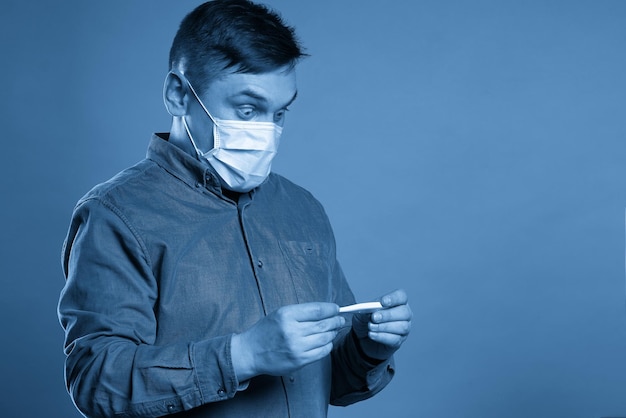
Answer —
398 313
392 340
329 324
395 298
317 353
399 327
313 311
312 342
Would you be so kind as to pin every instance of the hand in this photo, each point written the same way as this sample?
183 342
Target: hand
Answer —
382 332
287 339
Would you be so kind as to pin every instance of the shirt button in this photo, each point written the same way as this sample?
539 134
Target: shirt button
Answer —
170 408
259 263
292 379
221 392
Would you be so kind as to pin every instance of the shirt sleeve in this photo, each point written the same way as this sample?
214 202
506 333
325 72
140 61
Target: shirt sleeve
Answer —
355 377
113 366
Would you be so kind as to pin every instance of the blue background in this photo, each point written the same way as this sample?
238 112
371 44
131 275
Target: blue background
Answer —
472 153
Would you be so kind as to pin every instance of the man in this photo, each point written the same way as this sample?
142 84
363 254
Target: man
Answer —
200 283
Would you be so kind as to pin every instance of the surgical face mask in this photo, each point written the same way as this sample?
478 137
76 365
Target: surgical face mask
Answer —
242 151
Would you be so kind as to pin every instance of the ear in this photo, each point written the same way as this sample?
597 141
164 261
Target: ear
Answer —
175 94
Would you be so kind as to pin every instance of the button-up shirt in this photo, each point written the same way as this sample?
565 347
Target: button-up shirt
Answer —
163 268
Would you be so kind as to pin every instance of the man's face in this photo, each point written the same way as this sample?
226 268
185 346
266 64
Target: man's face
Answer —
247 97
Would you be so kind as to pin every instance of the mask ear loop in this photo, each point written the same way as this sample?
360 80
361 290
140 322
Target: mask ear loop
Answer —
199 101
198 152
216 136
216 140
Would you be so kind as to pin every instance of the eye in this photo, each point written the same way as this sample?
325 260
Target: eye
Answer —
280 115
246 112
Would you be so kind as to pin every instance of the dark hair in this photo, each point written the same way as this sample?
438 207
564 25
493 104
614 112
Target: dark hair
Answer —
232 34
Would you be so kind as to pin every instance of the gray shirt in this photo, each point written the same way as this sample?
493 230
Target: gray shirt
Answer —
162 268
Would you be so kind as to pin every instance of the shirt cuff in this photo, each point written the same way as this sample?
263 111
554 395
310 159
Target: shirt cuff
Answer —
214 369
372 362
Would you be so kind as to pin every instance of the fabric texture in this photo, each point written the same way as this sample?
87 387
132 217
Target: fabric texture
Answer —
162 269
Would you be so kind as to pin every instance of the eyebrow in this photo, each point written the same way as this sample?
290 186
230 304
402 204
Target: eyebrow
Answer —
263 99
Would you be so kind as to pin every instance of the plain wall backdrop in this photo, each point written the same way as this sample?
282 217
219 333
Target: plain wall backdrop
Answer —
472 153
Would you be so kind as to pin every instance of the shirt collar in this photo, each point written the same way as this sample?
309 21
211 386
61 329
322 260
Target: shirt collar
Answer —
181 165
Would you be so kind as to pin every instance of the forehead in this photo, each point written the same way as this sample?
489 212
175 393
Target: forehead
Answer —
274 87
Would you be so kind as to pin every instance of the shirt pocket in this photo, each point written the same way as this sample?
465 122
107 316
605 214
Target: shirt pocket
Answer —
309 268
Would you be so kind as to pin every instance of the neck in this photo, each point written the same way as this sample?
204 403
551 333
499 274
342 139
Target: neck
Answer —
179 137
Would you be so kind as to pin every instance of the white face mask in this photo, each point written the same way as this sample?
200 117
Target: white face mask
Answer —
242 151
